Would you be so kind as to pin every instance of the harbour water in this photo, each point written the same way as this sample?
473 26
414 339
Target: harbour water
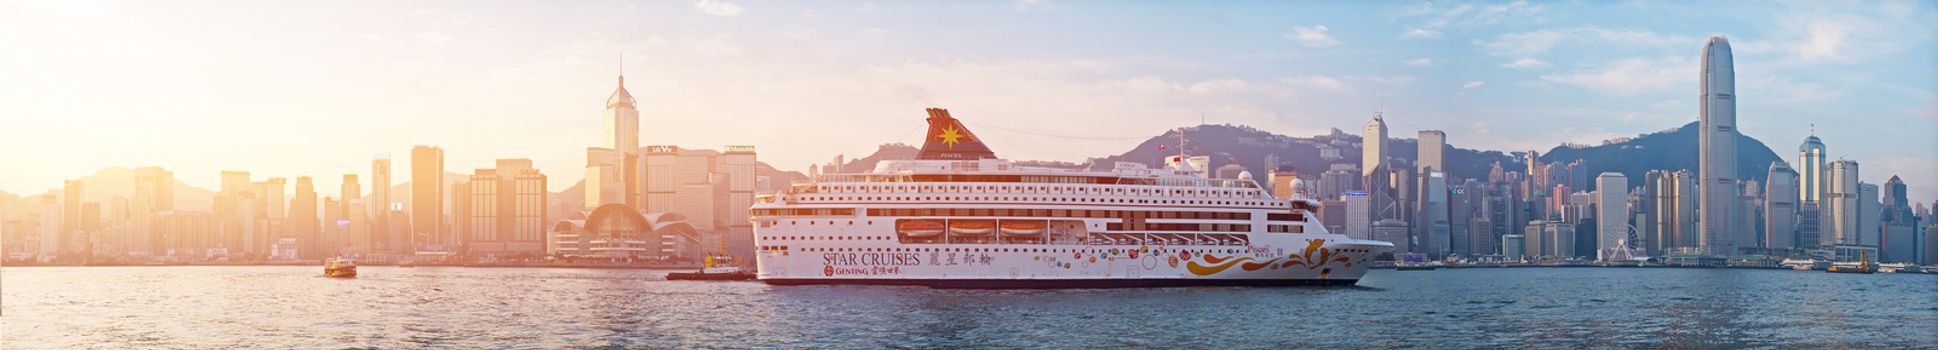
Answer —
435 307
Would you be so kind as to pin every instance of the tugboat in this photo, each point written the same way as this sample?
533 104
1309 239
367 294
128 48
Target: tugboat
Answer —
339 267
1863 265
712 273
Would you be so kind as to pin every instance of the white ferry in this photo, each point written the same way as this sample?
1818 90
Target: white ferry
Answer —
958 217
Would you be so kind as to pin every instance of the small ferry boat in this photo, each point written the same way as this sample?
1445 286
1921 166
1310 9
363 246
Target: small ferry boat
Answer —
712 273
339 267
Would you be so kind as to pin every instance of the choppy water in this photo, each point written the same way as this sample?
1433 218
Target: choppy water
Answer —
291 307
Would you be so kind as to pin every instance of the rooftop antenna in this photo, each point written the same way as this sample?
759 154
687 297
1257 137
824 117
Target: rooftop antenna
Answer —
1379 103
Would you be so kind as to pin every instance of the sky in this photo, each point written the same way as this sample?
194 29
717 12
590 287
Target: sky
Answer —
286 89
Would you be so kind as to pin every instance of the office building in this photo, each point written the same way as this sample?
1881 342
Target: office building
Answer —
1611 218
1780 207
378 205
303 224
1394 231
1717 164
1359 215
427 199
1839 205
1434 217
1810 170
1869 223
505 210
1433 151
72 238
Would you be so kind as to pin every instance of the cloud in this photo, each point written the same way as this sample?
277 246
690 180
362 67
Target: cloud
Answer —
1826 42
1420 33
433 37
1317 82
1472 85
1525 63
1420 62
869 8
1314 36
1633 76
1538 42
718 8
1033 5
1435 17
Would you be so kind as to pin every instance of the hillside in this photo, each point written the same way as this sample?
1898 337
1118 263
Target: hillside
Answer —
1248 147
1666 150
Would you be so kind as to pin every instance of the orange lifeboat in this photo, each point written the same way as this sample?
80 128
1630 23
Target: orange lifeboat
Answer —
920 228
971 227
1023 228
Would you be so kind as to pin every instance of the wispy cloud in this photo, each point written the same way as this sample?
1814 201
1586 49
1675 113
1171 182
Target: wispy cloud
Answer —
1535 43
1472 85
1525 63
1433 17
1632 76
1317 82
718 8
1314 36
1420 62
1420 33
434 37
1033 5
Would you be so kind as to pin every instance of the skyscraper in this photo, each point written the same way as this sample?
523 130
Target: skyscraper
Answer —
1611 217
158 185
1718 146
622 136
72 237
1839 205
1437 237
1780 207
379 204
1372 154
302 222
353 236
1433 148
1810 170
427 197
506 209
235 212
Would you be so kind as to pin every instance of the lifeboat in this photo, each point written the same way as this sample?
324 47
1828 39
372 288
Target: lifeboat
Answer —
971 227
920 228
1023 228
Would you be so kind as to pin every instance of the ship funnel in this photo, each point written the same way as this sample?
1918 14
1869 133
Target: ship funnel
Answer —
949 140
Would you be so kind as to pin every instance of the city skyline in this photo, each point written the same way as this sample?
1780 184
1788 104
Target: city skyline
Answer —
308 141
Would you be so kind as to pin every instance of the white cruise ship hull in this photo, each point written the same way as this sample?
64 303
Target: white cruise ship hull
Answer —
869 255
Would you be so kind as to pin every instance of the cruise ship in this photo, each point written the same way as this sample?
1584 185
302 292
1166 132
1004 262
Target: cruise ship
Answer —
959 217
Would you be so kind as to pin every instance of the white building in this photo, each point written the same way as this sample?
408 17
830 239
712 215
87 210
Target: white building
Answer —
1359 215
1433 149
1611 213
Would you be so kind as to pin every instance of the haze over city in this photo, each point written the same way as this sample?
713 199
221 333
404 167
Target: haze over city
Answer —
288 89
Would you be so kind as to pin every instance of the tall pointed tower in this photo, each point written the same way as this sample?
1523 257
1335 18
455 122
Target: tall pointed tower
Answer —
622 136
1718 146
